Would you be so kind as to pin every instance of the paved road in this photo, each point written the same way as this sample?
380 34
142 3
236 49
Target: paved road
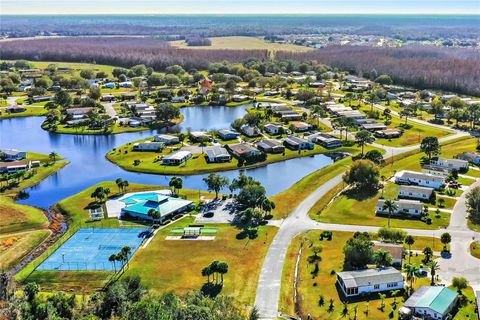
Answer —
109 109
268 290
461 263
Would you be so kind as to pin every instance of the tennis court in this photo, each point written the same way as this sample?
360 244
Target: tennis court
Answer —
90 248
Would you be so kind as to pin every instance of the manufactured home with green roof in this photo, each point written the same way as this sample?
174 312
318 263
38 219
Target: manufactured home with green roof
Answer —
430 302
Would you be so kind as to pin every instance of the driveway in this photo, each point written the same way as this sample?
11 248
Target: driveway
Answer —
110 110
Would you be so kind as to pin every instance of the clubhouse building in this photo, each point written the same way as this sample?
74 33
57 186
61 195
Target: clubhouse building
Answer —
138 205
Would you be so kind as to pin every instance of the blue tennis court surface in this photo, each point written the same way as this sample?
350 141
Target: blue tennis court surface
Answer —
89 249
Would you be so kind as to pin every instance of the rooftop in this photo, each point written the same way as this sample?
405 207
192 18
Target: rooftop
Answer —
143 202
369 277
437 299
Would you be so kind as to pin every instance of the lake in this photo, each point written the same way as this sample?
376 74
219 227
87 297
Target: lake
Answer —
88 165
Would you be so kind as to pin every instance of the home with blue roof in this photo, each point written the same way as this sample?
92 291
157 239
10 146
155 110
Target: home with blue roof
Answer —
139 204
429 302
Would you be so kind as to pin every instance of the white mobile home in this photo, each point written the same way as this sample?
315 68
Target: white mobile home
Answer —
415 192
413 208
450 164
166 138
358 282
176 158
420 179
148 146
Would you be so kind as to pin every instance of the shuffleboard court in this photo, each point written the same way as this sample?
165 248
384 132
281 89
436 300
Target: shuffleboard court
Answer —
90 248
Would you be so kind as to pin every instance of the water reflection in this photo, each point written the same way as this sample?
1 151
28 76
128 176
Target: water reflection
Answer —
89 166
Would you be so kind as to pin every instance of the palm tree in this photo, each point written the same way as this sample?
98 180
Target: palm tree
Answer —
119 183
125 185
113 258
207 272
394 294
126 251
409 240
411 271
446 238
382 297
154 214
222 268
382 258
434 267
391 207
214 269
428 252
53 156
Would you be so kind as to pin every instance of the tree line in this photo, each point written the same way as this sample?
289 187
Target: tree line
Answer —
120 51
422 67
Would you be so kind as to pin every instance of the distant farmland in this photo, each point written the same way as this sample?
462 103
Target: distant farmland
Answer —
242 43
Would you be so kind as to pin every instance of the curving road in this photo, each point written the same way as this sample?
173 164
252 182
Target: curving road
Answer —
461 263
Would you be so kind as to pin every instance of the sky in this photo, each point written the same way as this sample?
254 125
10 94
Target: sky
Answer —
239 7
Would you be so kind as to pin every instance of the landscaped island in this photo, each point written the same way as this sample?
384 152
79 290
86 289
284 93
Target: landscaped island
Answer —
152 155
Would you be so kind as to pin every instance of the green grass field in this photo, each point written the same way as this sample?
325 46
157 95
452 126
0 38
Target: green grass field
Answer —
311 288
176 265
242 43
361 211
32 111
287 200
17 217
15 246
411 136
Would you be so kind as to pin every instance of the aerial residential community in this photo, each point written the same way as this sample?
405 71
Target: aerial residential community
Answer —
206 165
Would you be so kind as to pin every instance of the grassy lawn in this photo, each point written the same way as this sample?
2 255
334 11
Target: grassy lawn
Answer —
30 112
17 217
311 288
70 281
468 310
350 208
466 181
287 200
176 265
411 136
422 242
475 249
73 66
242 43
150 162
85 130
15 246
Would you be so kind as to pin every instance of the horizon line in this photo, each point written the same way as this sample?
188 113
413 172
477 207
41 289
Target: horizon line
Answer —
250 14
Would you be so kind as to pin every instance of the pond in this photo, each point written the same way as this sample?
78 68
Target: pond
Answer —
88 165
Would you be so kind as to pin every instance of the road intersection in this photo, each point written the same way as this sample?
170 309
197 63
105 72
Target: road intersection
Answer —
461 263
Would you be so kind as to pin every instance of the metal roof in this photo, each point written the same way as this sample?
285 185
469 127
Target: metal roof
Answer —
370 277
436 298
